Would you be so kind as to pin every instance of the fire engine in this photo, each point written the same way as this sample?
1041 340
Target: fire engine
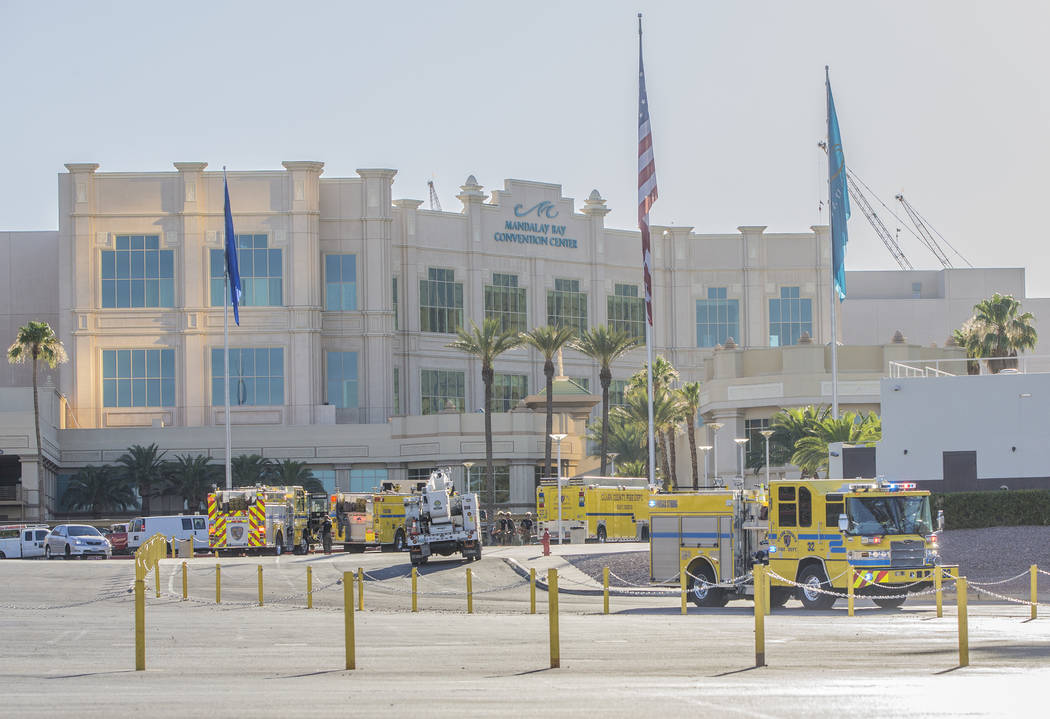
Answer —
260 518
606 507
441 521
361 520
820 534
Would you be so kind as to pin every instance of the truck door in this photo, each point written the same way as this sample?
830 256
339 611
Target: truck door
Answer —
664 543
200 532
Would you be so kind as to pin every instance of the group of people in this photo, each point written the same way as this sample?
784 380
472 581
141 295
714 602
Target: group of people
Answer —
505 529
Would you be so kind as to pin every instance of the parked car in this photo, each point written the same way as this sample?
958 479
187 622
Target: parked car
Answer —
118 537
22 541
180 526
76 540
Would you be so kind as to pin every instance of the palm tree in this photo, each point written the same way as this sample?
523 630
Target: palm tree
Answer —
604 345
633 468
626 438
143 467
291 472
37 341
998 328
811 451
689 396
486 344
789 425
664 375
548 340
666 413
251 469
192 477
97 490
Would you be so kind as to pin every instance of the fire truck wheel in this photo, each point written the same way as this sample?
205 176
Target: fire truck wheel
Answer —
601 534
699 591
888 602
812 579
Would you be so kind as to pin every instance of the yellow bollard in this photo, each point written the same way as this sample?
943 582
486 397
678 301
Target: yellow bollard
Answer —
156 578
260 586
964 639
552 612
415 605
140 625
532 590
937 582
605 587
172 545
470 593
767 602
683 574
348 619
1033 572
360 589
850 592
218 584
759 578
185 583
309 587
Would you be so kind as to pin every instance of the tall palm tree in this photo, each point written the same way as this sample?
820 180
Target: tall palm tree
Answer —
291 472
98 490
626 438
811 451
547 341
666 413
192 477
689 396
486 344
251 469
37 342
998 328
143 467
789 425
604 345
664 375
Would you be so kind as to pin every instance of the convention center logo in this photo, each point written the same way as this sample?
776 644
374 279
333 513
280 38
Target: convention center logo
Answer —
529 232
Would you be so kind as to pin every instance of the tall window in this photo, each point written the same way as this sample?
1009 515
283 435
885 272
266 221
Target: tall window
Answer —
326 477
256 376
397 391
616 389
505 301
440 302
567 306
418 474
260 268
393 283
365 480
138 273
138 378
438 386
342 378
789 317
507 390
340 281
717 318
484 489
752 430
627 311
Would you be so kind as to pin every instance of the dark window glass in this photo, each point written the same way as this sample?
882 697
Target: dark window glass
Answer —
805 508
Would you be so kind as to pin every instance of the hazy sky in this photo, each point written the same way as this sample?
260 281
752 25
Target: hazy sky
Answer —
947 102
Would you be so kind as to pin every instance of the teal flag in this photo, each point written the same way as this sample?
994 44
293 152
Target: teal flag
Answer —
838 197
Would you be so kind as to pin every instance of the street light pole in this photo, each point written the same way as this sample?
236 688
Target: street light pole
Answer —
715 426
767 433
705 448
612 459
740 442
558 438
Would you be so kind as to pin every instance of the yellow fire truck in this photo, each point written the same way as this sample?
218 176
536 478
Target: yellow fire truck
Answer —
257 519
606 507
820 534
361 520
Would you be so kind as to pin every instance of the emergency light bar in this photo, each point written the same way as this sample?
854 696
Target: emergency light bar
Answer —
900 486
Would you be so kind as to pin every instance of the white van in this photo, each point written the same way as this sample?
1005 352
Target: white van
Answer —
22 541
181 526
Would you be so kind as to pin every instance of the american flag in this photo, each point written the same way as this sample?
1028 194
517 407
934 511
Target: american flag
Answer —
646 178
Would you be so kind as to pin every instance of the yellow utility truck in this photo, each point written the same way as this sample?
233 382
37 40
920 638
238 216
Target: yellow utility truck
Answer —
368 519
817 535
604 507
259 519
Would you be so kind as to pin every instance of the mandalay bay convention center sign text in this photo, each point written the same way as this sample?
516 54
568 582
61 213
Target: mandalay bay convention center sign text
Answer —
533 227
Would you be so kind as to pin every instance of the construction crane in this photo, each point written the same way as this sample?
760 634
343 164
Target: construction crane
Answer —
926 235
872 217
435 203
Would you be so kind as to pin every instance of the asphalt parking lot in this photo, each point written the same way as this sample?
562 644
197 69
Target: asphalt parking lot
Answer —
68 636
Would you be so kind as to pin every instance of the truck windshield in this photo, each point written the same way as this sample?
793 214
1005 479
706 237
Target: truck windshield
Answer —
889 515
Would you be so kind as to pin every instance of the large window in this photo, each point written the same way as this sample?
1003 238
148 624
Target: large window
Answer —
260 268
138 273
567 306
789 316
341 374
365 480
138 378
616 391
397 391
507 390
256 376
484 489
438 386
340 281
440 302
717 318
393 284
627 311
505 301
326 477
753 431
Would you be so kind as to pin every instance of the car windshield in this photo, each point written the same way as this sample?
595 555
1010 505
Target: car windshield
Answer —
82 530
889 515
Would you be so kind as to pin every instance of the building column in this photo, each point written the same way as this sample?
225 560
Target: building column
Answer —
753 329
191 292
472 196
78 283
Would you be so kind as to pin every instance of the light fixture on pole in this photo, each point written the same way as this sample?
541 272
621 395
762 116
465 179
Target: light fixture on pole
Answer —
715 426
612 460
767 433
466 476
705 448
740 442
558 438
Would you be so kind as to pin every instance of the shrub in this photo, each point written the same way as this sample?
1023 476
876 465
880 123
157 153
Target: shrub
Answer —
973 510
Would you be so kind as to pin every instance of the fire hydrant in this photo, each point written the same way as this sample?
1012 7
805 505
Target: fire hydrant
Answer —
545 540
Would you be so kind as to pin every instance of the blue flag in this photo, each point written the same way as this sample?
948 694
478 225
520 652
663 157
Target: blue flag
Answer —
231 256
837 195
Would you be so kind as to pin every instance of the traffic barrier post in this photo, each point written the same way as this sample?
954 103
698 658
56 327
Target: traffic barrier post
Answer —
532 590
605 588
140 625
172 545
767 602
260 586
682 575
759 575
470 593
185 582
415 605
938 574
156 578
218 583
348 620
552 616
309 587
1033 572
360 589
964 638
849 591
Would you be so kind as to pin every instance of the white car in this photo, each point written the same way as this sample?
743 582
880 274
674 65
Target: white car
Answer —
76 540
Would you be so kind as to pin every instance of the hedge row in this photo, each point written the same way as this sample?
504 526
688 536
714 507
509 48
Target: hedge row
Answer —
974 510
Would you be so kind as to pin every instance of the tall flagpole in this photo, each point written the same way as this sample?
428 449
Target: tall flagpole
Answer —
831 227
226 357
646 197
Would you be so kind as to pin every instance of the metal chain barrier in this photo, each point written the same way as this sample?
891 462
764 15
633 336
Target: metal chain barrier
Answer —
974 583
840 595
